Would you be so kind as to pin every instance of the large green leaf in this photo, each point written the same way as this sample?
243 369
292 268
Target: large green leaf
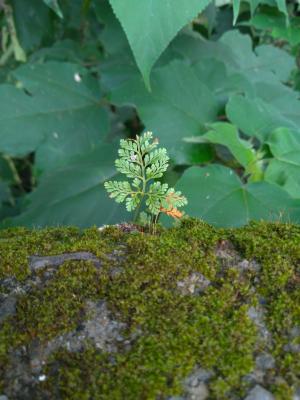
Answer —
53 4
150 25
284 169
4 192
178 105
75 195
266 64
33 22
272 107
242 150
270 20
61 117
217 195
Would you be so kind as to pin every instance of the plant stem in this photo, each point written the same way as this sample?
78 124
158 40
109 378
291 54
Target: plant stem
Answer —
144 180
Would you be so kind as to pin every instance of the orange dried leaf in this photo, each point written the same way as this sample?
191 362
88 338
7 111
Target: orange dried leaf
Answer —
172 212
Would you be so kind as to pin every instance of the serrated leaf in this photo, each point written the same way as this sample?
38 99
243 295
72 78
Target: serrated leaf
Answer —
217 195
150 25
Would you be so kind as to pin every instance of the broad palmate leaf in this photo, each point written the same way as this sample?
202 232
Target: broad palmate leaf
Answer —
217 195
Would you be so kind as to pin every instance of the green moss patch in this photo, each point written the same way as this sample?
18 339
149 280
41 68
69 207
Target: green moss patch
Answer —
168 334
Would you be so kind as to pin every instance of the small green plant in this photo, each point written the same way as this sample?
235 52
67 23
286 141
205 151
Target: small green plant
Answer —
141 160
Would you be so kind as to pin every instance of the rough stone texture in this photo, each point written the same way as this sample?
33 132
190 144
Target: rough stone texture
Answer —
256 314
259 393
38 262
99 329
296 395
199 392
127 290
195 283
8 307
195 384
265 361
229 257
200 375
294 345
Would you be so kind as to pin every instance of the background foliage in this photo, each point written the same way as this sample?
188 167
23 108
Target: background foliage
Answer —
217 83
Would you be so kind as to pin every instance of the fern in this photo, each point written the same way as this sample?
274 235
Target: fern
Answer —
140 160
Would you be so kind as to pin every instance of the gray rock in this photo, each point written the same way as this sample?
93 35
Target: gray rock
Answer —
265 361
200 375
296 395
199 392
195 283
25 369
256 314
259 393
246 265
38 262
255 377
173 398
3 397
195 384
292 347
99 329
8 308
295 332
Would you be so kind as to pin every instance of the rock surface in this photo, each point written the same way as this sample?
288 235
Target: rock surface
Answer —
150 316
259 393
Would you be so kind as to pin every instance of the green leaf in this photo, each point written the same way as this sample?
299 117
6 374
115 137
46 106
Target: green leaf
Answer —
281 4
5 194
256 117
150 25
277 60
60 118
235 52
276 24
178 105
284 169
75 195
243 151
33 22
53 4
236 10
217 195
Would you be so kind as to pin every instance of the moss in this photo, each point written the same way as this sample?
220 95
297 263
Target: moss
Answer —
178 332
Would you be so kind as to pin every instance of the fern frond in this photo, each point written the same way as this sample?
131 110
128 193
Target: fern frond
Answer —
118 190
130 169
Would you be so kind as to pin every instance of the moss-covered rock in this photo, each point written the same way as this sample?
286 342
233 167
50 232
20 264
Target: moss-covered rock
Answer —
192 312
